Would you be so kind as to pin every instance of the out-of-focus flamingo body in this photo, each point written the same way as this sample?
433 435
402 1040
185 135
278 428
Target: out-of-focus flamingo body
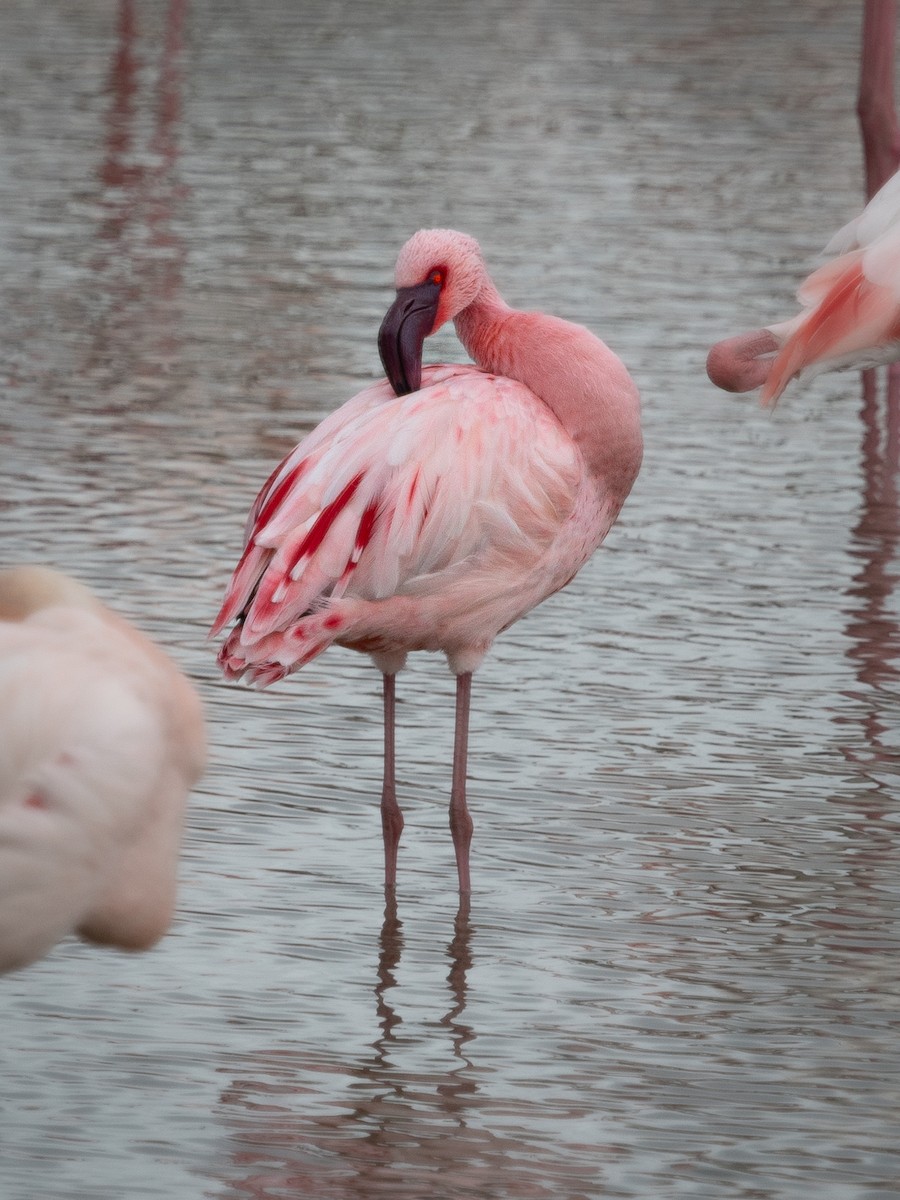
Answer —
432 517
850 316
101 737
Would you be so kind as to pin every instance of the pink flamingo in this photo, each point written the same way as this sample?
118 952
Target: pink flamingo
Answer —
432 511
851 313
101 737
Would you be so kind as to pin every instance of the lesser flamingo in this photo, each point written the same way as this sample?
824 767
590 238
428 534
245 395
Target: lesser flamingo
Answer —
101 737
850 315
437 507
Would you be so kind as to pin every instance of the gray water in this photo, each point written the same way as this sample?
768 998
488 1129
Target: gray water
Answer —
679 976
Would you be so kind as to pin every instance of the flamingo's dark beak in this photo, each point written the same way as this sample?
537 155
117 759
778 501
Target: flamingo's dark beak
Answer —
406 325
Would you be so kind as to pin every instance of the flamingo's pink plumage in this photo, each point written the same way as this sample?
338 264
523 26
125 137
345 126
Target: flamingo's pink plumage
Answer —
850 315
101 737
432 520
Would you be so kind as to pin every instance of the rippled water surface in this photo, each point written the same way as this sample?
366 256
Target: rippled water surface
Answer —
679 975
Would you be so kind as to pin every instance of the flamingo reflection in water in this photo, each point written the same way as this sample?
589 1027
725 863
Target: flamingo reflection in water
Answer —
381 1123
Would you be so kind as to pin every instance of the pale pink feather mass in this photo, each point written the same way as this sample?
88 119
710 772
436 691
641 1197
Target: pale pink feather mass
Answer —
434 519
101 738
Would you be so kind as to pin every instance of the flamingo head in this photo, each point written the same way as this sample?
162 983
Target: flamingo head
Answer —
742 363
439 273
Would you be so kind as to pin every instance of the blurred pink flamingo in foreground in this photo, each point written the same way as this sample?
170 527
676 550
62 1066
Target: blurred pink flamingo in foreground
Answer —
101 737
432 511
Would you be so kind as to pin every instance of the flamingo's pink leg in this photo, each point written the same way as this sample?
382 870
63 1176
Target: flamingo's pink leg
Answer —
875 105
391 816
460 821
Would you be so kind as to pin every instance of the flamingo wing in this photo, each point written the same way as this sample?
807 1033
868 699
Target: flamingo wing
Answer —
880 215
391 495
852 318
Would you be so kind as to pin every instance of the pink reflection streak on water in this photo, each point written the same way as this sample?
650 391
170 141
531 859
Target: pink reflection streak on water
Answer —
142 260
874 635
872 627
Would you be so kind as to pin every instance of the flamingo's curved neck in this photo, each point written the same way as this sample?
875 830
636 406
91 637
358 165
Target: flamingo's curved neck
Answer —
577 376
480 326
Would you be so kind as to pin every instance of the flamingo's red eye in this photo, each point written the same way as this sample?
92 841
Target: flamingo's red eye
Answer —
437 277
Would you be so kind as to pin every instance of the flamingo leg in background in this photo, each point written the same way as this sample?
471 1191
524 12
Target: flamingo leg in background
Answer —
875 105
877 113
460 821
391 816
